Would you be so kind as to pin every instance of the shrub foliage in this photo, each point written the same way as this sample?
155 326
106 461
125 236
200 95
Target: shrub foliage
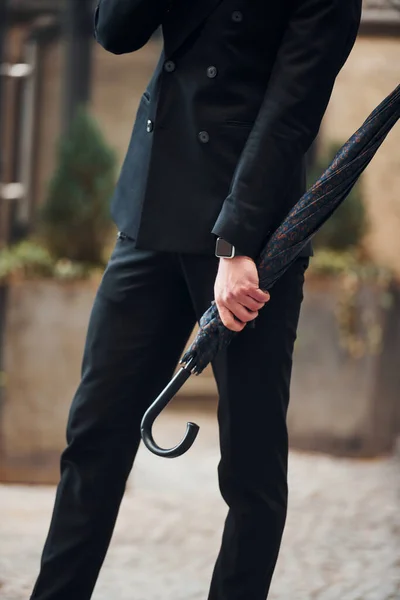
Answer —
74 221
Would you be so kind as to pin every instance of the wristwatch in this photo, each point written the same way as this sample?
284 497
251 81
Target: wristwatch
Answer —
224 249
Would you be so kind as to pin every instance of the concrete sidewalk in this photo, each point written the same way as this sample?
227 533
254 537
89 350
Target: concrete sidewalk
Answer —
342 540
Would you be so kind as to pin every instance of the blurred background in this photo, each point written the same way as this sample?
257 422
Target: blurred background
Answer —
66 113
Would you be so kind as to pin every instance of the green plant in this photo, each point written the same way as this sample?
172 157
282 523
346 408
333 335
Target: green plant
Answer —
348 224
74 221
30 260
359 327
25 259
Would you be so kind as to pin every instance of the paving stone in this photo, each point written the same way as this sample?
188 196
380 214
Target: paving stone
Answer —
342 538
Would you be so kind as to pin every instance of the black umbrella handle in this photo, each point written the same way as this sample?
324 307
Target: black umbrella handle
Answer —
157 407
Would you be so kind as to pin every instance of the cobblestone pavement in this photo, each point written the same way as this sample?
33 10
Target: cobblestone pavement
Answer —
342 540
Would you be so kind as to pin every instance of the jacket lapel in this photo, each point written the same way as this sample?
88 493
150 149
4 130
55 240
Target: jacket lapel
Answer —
182 19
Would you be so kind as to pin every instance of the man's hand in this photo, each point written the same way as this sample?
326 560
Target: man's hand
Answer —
237 295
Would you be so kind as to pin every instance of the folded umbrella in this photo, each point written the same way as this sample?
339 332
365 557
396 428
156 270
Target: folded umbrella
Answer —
281 250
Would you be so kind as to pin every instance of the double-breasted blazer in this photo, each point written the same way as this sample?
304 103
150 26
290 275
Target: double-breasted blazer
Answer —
219 141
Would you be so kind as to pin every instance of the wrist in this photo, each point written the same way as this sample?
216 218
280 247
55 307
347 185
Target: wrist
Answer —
240 258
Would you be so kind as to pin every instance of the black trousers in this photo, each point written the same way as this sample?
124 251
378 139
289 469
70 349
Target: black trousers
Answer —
145 309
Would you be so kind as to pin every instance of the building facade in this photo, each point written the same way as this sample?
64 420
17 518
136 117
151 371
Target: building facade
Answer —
36 106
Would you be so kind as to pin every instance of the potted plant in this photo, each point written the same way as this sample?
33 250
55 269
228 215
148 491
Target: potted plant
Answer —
345 383
50 282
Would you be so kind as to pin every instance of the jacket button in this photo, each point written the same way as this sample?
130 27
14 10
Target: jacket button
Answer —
150 126
170 66
237 16
212 72
204 137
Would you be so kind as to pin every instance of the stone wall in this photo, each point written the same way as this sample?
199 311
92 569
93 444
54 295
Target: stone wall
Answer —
118 82
371 73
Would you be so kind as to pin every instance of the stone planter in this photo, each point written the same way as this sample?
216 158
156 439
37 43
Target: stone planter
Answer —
45 328
342 404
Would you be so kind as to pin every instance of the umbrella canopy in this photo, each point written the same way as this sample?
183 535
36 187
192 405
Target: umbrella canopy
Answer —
282 249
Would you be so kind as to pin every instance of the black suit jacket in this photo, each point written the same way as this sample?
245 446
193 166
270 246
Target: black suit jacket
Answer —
218 146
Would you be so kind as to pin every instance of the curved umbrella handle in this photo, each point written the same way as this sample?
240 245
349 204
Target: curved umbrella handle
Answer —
155 410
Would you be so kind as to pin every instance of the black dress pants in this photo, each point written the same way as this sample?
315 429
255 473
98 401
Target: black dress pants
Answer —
145 309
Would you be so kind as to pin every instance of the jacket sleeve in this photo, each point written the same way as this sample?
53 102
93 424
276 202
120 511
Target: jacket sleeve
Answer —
318 39
126 25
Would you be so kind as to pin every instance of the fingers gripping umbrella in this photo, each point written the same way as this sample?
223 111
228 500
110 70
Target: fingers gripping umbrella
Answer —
283 247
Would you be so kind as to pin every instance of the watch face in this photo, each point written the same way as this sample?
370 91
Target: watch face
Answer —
224 249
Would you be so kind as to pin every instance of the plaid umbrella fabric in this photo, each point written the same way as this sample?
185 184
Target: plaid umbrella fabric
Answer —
303 221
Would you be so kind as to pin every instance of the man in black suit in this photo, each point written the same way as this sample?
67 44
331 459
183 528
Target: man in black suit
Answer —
216 160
